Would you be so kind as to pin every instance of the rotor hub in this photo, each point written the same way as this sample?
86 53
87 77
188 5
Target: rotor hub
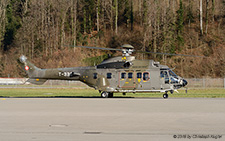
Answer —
127 49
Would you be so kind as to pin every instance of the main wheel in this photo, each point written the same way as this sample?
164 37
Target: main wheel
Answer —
165 96
105 94
110 95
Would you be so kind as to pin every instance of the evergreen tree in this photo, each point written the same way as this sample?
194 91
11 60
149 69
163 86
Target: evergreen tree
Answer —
179 25
190 17
128 13
12 24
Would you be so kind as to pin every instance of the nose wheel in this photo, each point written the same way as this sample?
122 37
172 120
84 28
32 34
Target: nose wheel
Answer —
106 95
165 96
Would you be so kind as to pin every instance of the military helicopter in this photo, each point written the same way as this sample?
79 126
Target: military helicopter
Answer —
121 74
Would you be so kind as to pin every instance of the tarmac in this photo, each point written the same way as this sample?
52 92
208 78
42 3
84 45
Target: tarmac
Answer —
115 119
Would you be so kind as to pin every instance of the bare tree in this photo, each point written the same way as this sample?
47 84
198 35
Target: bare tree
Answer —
97 14
108 14
140 9
213 10
200 12
74 22
3 4
116 15
206 16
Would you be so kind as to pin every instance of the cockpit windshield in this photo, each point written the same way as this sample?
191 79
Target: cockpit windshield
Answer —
172 73
173 77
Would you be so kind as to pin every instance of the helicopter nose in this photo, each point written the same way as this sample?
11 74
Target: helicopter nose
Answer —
184 82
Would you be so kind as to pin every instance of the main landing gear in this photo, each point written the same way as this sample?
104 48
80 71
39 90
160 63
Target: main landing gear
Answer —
165 96
106 94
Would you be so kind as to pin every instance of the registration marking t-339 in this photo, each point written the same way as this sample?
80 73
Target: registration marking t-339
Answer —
66 74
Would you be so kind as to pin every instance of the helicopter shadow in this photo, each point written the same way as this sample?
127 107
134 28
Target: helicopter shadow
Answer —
86 97
99 97
91 97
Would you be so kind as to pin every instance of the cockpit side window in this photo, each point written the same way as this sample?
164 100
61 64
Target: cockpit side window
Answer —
164 74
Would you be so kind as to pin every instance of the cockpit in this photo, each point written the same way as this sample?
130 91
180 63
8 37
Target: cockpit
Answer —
170 77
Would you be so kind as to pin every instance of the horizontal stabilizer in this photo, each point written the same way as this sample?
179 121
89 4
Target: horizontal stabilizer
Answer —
37 81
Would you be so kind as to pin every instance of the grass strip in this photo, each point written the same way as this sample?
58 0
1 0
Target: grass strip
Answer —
69 92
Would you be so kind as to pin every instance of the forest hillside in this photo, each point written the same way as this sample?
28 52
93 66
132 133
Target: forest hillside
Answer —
41 29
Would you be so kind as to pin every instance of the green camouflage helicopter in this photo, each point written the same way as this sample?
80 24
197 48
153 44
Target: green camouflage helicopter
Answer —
121 74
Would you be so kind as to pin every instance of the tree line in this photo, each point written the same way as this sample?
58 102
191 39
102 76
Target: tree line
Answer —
40 29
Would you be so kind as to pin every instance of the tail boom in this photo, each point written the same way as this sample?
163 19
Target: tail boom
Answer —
39 76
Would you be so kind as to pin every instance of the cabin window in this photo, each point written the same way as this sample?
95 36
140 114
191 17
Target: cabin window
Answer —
123 75
130 75
109 75
95 75
139 74
146 76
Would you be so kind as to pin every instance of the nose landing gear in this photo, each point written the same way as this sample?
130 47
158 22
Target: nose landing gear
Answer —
165 96
106 95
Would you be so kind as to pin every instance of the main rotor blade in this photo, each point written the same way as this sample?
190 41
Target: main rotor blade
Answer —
148 52
102 48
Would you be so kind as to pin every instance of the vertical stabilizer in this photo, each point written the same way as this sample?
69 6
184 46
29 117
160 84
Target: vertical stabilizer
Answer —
30 68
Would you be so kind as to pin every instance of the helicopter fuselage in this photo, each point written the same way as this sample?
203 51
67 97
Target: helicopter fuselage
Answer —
122 74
